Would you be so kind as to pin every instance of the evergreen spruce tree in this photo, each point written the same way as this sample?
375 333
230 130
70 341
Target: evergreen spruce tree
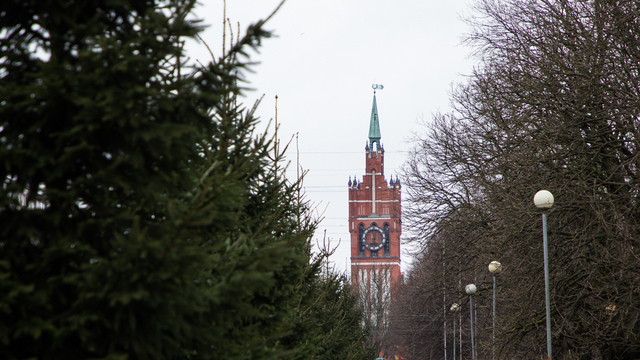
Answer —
142 218
328 323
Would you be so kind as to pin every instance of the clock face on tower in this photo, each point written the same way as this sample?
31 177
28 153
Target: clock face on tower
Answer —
373 238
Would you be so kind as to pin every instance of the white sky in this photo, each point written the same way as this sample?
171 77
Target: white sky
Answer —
321 65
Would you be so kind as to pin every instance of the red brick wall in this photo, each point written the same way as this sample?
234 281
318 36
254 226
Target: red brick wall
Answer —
387 209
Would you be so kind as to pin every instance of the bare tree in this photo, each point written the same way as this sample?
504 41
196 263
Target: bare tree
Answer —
374 296
552 104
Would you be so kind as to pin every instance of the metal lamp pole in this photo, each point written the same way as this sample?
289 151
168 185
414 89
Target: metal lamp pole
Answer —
544 200
471 290
454 309
495 268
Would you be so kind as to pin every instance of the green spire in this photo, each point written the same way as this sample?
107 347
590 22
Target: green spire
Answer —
374 125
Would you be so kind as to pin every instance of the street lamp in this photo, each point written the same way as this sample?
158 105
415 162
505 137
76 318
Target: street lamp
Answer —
495 268
471 290
544 200
454 309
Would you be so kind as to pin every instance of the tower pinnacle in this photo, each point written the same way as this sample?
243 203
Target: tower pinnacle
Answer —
374 124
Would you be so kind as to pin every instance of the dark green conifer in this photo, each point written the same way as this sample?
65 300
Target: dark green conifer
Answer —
142 216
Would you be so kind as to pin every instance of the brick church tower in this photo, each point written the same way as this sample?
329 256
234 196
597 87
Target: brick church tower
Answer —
375 227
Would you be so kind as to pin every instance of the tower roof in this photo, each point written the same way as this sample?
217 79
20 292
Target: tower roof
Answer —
374 125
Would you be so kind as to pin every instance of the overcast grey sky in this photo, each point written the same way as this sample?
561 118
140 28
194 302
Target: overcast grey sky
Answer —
321 65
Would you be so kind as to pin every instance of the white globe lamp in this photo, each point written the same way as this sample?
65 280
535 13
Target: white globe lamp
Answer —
543 199
495 267
470 289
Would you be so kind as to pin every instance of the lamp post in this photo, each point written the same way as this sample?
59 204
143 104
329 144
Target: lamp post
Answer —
495 268
454 309
471 290
544 200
